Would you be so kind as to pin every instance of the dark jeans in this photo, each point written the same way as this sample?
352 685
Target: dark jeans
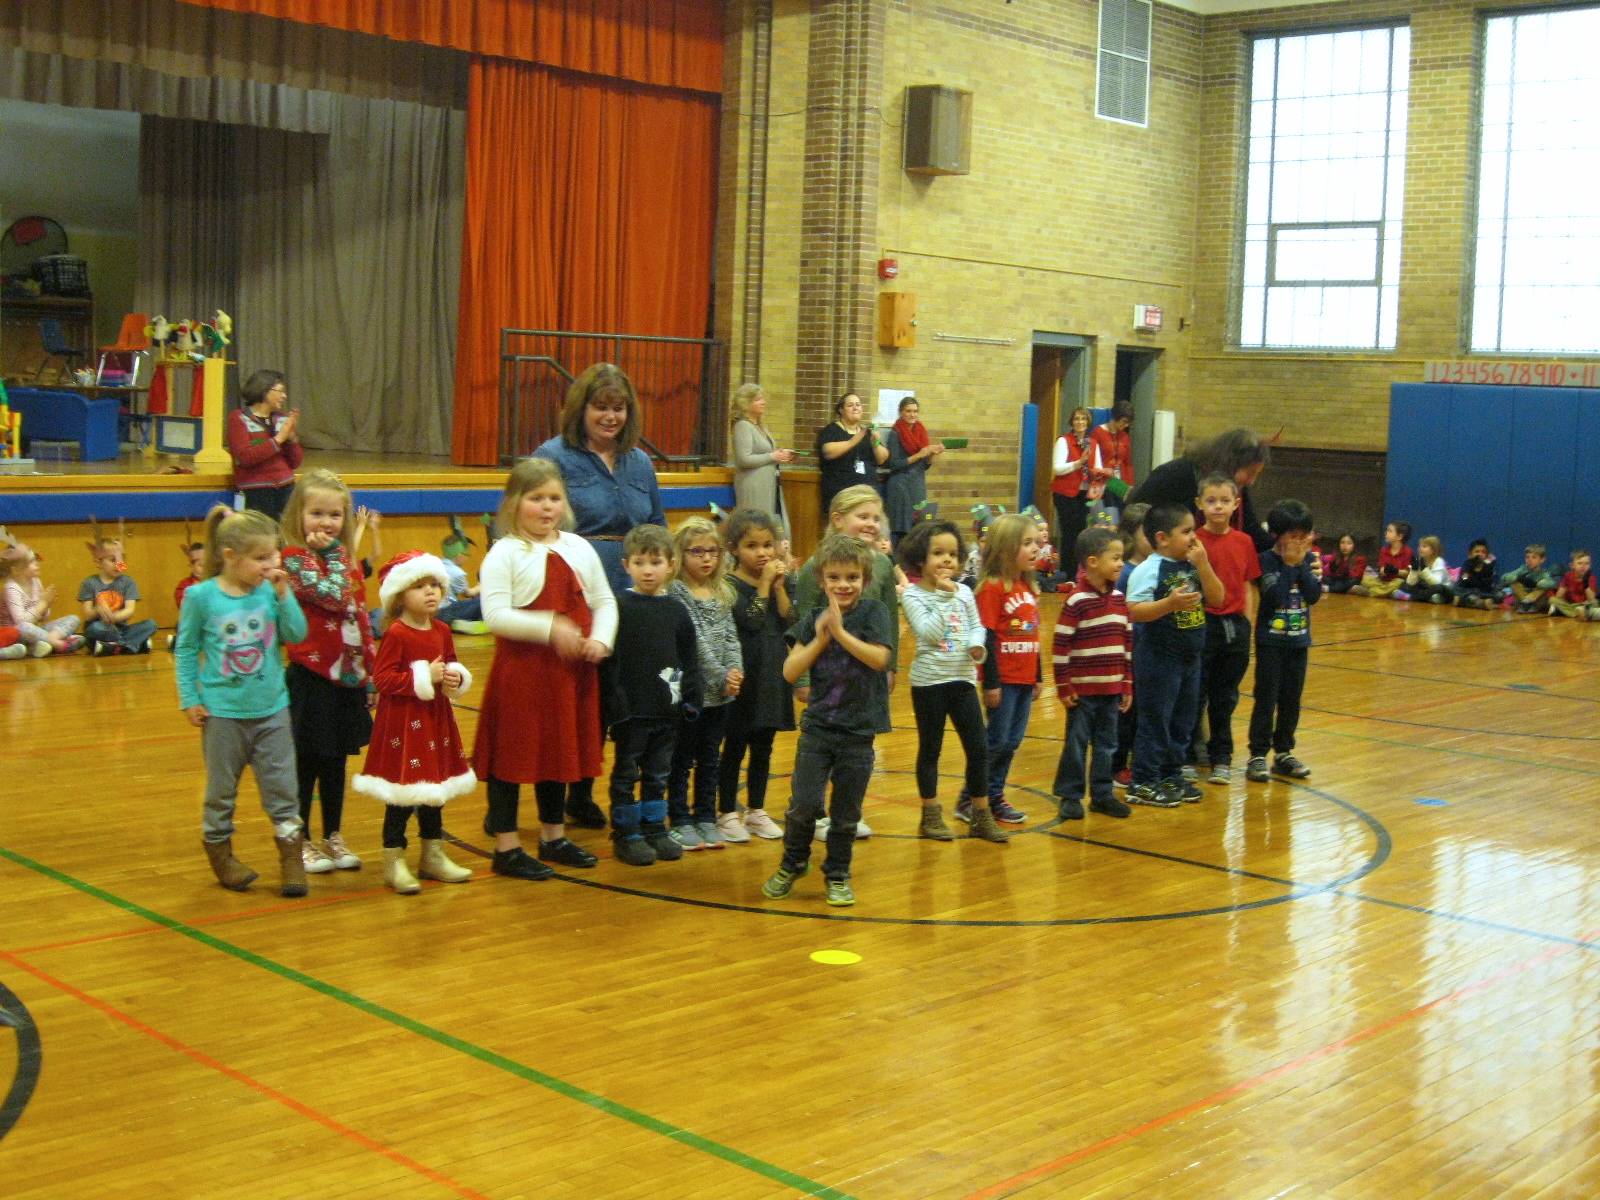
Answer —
1280 678
1427 591
1339 586
269 500
470 609
1222 666
1460 593
1072 514
644 757
1008 722
823 756
504 799
1093 723
1167 691
430 824
1127 731
959 702
324 775
698 749
759 742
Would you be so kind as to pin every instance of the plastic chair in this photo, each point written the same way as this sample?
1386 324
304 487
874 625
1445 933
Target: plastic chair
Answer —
128 352
54 344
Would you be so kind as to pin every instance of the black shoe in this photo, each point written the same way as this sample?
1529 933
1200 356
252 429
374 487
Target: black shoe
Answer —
519 864
665 845
585 814
633 851
1152 795
1189 793
1110 808
1072 810
144 647
566 852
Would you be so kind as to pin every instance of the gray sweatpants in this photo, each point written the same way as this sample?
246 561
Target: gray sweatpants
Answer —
266 745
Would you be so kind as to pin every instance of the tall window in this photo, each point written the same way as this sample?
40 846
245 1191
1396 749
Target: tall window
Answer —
1537 282
1324 190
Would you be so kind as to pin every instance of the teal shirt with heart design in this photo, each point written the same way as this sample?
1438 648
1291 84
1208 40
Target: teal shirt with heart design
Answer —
229 649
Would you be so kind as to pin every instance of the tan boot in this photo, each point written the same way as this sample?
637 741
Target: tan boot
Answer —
933 827
291 864
985 827
396 874
231 873
436 864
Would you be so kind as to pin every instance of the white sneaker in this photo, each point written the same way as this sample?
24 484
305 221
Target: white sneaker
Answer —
339 854
863 831
759 823
313 859
42 647
15 650
822 829
732 828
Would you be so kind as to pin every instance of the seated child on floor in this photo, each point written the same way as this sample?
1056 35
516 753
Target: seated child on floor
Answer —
110 600
1344 569
1529 588
25 606
1476 586
196 554
1394 561
1428 580
461 610
1575 594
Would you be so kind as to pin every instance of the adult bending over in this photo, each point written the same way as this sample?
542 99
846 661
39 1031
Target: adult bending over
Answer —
263 443
1239 454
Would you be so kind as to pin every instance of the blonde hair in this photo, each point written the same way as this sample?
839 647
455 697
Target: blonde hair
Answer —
739 406
852 498
1432 543
1001 549
318 479
693 530
593 383
14 558
237 531
525 476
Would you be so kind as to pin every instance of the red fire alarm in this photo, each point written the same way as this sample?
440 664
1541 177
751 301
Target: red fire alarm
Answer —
888 268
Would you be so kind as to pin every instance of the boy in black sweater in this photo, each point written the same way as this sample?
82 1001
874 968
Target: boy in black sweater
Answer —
1289 587
655 675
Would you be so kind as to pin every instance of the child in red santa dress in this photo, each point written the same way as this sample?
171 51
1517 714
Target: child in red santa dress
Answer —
415 760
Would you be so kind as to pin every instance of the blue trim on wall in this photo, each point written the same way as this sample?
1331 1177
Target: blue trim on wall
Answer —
67 507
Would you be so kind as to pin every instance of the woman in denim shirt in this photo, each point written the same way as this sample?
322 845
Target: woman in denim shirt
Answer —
611 486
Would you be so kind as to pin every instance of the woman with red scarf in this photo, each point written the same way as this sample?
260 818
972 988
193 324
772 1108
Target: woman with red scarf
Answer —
911 453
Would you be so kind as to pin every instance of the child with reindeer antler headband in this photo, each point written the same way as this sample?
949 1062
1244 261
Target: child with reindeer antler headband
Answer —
25 607
110 598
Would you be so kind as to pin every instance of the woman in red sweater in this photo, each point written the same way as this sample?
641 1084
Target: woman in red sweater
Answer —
1070 487
263 444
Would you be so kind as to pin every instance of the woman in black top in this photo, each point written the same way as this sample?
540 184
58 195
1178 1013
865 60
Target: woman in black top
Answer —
1239 454
847 450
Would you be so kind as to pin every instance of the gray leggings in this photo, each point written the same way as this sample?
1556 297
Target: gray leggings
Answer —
266 746
30 634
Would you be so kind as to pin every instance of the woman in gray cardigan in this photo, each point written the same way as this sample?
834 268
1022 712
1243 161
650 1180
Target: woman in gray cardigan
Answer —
756 455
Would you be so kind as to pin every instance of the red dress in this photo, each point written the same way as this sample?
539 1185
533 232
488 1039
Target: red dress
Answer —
415 756
541 713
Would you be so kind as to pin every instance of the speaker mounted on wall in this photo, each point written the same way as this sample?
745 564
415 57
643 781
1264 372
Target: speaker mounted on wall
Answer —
938 130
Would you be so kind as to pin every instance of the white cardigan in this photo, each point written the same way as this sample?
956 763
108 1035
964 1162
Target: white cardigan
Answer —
512 577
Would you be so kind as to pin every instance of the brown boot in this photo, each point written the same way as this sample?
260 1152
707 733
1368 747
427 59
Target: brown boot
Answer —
292 864
933 827
985 827
231 873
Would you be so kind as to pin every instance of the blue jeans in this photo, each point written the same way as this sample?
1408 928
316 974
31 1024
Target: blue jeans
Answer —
825 755
1008 721
1167 692
1093 723
470 609
644 758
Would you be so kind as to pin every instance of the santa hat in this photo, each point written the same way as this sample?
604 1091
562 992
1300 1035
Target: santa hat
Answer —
406 570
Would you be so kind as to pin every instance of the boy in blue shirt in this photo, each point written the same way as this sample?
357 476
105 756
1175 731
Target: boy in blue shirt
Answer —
1290 584
1164 598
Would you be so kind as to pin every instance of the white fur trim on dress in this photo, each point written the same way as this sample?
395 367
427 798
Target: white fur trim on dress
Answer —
413 795
422 680
466 680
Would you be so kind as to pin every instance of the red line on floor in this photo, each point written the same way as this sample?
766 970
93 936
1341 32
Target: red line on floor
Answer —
255 1085
1008 1187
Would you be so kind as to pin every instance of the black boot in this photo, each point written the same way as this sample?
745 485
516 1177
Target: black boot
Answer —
633 851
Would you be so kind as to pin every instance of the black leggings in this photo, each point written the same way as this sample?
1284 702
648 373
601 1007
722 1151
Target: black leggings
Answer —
759 743
1072 514
430 824
550 797
959 702
324 776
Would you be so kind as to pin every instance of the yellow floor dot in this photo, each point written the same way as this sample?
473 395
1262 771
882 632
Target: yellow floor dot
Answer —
835 958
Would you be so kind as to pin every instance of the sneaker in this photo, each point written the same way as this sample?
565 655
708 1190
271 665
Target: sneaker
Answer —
96 649
666 845
687 837
839 894
1006 814
1289 767
42 648
1190 792
144 646
172 639
633 851
336 850
863 831
566 852
475 628
1151 796
709 837
313 859
781 883
762 825
1190 772
1437 598
1172 789
74 644
732 828
964 810
1071 810
1123 779
15 650
1111 807
1402 595
1221 773
823 825
1256 770
518 864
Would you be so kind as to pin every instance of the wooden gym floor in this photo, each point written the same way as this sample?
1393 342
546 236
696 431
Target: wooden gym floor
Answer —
1379 984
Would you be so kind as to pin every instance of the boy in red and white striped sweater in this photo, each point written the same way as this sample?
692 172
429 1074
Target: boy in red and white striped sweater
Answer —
1093 656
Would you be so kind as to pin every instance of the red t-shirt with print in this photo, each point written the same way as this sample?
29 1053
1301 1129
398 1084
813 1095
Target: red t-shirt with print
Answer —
1013 615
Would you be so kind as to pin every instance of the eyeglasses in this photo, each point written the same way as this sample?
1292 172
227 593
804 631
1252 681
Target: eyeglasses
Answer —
703 552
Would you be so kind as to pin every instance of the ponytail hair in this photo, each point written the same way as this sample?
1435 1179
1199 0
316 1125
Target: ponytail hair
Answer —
226 529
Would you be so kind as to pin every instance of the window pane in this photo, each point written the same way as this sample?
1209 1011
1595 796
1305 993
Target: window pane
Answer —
1326 254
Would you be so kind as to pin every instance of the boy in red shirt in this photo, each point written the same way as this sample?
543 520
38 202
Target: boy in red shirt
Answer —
1226 656
1093 656
1575 594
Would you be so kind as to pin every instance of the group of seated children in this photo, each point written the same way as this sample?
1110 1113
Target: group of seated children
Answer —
1157 629
108 598
1401 575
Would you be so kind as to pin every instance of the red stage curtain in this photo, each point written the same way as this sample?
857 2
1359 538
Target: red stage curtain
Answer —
590 206
669 43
